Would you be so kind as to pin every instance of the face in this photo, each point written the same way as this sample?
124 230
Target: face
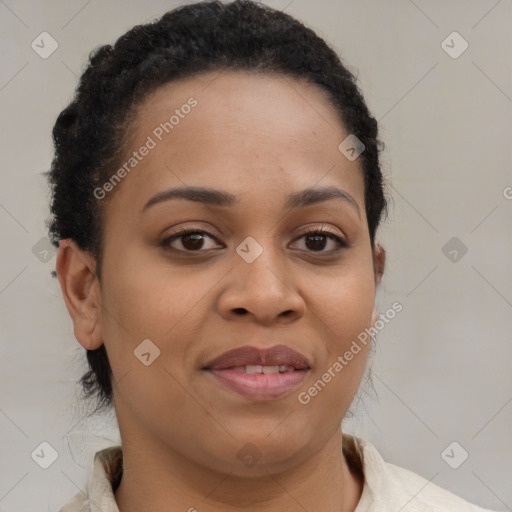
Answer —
253 270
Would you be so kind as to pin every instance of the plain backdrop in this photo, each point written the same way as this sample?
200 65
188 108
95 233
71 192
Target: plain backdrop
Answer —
441 369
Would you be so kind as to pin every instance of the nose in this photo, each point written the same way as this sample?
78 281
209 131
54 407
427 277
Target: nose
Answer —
264 291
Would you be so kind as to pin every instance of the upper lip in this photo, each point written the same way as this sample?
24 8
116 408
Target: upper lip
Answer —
247 355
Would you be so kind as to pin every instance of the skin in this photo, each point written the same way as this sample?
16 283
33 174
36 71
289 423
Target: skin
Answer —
259 138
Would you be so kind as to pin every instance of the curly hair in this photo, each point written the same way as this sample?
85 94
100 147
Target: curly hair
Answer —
92 132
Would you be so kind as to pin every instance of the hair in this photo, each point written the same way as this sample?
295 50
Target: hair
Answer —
91 133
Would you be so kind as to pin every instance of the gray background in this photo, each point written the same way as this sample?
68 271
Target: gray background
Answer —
442 366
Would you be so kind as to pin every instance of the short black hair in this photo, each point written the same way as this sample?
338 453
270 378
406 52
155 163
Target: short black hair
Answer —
91 133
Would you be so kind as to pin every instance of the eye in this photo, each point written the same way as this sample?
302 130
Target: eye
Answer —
191 240
317 239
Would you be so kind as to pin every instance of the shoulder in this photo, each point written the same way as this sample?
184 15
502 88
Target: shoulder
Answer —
79 503
103 480
388 488
424 494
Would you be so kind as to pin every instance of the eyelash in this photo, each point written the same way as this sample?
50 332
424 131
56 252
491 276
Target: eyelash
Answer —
342 244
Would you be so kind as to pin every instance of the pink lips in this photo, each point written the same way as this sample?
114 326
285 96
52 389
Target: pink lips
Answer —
259 386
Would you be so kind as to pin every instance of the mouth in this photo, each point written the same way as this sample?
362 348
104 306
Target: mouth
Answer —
259 374
254 369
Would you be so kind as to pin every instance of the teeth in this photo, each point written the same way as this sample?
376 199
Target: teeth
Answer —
253 369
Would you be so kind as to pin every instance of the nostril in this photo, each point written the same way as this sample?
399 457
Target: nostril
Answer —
240 311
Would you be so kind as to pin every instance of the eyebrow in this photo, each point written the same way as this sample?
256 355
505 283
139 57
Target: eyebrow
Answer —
307 197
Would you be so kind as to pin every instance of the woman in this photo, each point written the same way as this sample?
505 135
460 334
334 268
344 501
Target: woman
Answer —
216 197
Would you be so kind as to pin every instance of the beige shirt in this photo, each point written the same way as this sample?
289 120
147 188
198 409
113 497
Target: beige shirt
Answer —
387 488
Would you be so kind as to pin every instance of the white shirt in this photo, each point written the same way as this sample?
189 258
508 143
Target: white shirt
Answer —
387 488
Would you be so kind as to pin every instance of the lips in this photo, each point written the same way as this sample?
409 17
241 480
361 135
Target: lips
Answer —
278 355
256 374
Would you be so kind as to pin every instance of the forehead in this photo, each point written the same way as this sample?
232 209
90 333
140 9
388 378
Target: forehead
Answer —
247 131
234 92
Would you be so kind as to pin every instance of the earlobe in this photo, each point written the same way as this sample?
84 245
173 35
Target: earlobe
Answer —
76 271
379 262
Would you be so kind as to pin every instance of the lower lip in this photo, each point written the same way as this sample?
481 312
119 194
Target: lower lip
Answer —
260 386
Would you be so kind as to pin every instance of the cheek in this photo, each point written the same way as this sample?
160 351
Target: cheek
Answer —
148 295
344 302
343 309
343 313
145 299
141 304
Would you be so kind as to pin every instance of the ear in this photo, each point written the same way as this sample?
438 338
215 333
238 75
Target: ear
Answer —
76 270
379 262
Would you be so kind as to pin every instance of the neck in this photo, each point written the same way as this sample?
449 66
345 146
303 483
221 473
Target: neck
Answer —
161 480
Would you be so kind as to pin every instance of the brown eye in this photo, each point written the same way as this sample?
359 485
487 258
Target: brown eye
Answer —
317 240
190 240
